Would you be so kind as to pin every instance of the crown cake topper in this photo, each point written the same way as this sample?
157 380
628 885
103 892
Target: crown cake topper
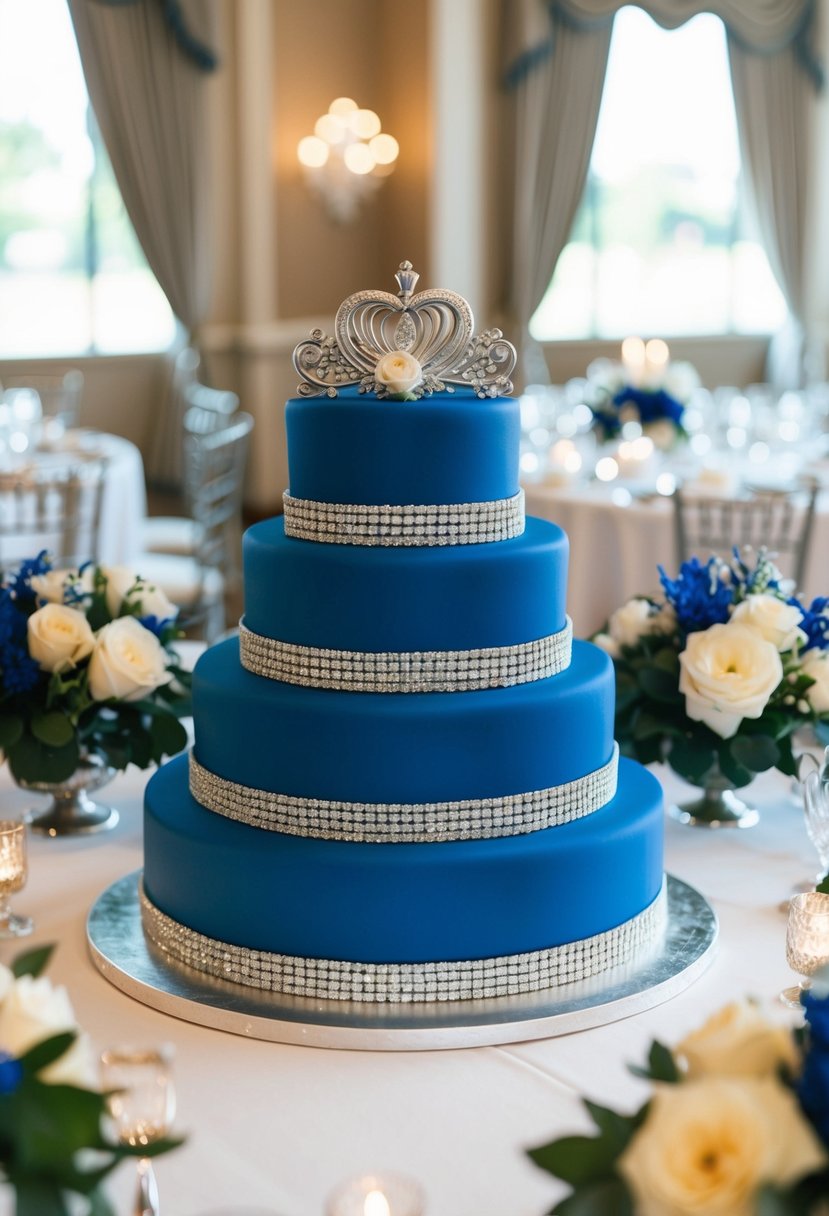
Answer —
405 346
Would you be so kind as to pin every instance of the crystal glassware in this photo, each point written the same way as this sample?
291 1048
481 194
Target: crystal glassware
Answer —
377 1195
807 941
142 1105
14 871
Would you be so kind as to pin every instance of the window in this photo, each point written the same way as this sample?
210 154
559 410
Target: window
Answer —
73 279
661 243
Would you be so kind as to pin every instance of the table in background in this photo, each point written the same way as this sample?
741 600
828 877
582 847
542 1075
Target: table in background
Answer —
124 499
276 1127
617 540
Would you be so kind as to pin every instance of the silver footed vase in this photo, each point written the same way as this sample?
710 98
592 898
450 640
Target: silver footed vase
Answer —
72 812
718 806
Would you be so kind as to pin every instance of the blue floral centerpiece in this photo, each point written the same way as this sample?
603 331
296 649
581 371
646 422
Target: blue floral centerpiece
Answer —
717 676
737 1125
87 669
650 391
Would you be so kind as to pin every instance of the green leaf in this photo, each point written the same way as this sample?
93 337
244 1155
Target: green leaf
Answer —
99 1205
649 726
604 1197
576 1159
53 729
661 1067
31 760
823 886
615 1129
659 685
667 659
11 728
627 691
692 757
168 735
53 1123
47 1051
32 962
774 1202
755 752
35 1198
737 773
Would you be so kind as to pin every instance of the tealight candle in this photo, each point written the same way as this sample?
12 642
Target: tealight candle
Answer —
377 1195
13 874
633 360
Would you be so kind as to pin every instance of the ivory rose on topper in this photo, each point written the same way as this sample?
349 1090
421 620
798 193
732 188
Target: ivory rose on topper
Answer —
87 667
721 672
398 373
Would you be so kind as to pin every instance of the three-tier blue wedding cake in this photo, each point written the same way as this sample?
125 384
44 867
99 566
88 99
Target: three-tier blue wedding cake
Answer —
404 785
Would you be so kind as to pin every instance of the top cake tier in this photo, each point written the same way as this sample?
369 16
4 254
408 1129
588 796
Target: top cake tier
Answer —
446 448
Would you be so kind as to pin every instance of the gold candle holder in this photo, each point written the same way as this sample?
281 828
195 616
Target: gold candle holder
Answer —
807 940
142 1105
377 1195
14 871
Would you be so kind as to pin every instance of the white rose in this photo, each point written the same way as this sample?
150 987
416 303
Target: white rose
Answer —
398 372
632 621
120 581
606 643
128 662
774 619
59 637
738 1042
728 672
815 665
152 601
50 587
707 1147
32 1010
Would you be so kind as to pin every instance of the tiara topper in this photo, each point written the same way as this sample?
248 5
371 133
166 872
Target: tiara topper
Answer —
405 346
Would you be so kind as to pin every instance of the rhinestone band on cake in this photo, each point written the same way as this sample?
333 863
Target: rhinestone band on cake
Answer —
408 671
462 523
326 979
402 823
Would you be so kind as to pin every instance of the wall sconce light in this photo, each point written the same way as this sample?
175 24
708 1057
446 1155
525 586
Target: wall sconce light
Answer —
347 157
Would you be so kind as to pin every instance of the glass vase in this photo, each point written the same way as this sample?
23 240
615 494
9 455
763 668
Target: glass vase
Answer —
717 806
72 812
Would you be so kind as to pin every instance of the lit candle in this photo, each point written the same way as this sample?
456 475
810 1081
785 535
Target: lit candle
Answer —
377 1195
656 360
376 1204
633 360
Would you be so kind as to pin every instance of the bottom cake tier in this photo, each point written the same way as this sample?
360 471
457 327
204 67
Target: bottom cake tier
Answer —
402 922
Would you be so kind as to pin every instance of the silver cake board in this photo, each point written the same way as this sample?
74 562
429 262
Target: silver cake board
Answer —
122 954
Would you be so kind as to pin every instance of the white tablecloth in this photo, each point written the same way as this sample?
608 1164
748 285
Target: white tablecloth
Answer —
615 548
274 1128
124 499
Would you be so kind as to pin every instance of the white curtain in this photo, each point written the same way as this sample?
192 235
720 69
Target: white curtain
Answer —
148 94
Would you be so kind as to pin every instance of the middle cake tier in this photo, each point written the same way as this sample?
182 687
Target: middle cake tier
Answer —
410 748
454 597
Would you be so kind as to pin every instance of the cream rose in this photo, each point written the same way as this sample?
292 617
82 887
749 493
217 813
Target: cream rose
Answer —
815 665
637 618
120 581
50 587
32 1010
707 1147
59 637
606 643
738 1042
398 372
728 672
128 662
774 619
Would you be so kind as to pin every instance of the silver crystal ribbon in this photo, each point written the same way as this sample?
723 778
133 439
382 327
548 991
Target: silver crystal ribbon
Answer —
409 822
463 523
329 979
434 327
406 671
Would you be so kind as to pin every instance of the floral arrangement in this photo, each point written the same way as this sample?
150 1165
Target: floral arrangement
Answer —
721 672
737 1125
53 1149
655 399
87 668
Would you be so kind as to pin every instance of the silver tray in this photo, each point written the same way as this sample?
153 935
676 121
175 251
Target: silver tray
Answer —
124 957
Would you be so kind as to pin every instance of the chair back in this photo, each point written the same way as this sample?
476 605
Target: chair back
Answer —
54 507
207 409
780 521
60 398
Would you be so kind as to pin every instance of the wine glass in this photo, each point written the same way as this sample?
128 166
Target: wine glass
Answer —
142 1105
14 871
807 941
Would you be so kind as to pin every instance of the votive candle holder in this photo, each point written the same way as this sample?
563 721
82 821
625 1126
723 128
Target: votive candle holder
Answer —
807 939
14 870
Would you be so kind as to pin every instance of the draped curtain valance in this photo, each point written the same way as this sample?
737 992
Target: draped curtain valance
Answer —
763 26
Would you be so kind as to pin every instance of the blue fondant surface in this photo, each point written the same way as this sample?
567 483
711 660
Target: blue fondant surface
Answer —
402 747
402 902
453 597
451 447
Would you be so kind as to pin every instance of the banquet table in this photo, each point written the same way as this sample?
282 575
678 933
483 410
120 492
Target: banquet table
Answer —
273 1128
617 538
124 498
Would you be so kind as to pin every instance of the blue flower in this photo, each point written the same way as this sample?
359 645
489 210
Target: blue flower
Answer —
761 579
815 623
11 1073
653 404
698 595
813 1086
156 625
19 673
20 584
